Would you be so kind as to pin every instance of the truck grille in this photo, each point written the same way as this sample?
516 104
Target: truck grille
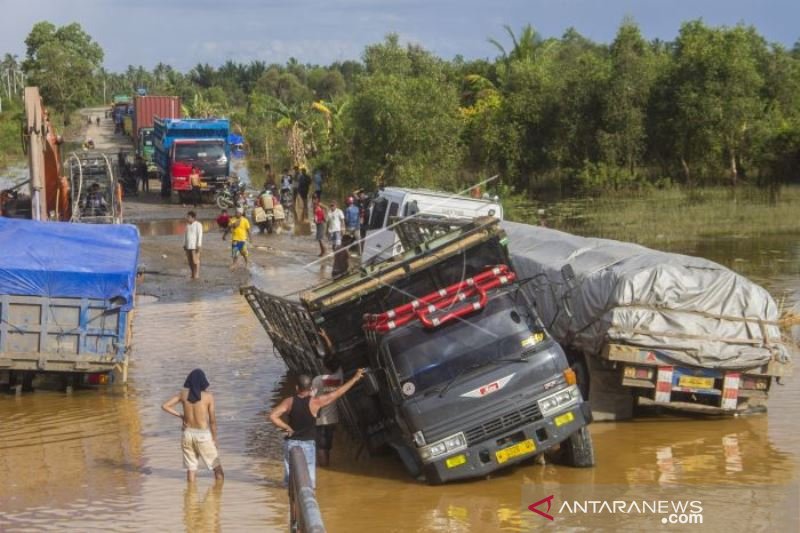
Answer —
501 424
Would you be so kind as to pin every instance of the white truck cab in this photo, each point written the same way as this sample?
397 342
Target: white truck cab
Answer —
392 203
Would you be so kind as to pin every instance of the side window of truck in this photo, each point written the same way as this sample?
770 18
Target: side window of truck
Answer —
410 209
378 214
394 207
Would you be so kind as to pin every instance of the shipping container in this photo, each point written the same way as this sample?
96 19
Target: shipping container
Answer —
147 108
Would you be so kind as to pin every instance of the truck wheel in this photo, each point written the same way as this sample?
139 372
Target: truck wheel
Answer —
578 450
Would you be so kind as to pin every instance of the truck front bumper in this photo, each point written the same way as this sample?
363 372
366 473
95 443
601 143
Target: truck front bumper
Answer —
509 448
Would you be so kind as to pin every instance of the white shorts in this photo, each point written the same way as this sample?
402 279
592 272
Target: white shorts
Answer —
199 444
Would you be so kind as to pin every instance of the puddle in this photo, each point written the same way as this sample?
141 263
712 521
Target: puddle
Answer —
156 228
144 299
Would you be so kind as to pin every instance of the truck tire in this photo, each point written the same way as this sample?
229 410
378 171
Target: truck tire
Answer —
578 450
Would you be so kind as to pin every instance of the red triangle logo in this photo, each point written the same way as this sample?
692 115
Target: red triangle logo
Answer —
533 507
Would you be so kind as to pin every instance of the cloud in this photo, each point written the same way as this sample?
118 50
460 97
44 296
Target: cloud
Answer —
320 31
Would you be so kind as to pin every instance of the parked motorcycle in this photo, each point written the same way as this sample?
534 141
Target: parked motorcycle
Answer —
228 196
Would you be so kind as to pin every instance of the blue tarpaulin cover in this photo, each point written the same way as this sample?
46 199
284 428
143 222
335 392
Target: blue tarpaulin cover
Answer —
62 260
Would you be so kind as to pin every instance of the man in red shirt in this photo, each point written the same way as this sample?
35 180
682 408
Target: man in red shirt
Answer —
319 220
222 221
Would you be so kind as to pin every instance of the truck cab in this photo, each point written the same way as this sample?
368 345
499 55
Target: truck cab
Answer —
394 203
480 393
208 155
181 144
145 148
464 378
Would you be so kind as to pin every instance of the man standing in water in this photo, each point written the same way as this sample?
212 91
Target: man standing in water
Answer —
301 420
199 425
240 234
192 241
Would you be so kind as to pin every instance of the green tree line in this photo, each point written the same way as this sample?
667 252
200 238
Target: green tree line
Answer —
717 105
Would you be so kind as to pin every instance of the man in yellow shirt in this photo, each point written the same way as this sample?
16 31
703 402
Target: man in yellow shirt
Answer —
240 233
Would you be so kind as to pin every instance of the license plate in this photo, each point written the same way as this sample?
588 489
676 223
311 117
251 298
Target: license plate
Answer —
694 382
522 448
566 418
456 460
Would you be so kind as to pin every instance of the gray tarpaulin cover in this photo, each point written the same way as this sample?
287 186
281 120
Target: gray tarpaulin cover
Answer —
693 310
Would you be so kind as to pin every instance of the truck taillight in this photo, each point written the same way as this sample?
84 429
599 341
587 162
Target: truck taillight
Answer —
753 383
638 372
97 379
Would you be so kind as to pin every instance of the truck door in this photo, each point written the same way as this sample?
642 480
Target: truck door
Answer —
381 242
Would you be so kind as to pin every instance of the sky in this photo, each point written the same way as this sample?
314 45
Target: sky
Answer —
183 33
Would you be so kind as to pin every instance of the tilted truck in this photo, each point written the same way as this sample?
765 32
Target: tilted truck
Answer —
181 144
463 378
66 299
644 327
146 109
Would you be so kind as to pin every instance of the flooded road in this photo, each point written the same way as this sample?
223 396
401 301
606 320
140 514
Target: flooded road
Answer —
110 459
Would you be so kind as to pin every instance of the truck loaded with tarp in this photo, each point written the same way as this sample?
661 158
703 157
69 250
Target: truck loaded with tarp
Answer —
463 378
66 297
645 327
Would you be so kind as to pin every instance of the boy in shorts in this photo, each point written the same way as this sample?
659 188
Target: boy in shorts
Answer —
199 419
240 234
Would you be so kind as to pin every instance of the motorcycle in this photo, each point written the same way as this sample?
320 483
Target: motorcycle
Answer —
228 196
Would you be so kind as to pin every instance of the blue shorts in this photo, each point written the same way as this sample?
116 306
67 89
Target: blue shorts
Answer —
239 247
309 450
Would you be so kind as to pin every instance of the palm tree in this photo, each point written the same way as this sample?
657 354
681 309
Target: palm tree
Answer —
524 47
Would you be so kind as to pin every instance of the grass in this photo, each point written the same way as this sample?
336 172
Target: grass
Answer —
664 216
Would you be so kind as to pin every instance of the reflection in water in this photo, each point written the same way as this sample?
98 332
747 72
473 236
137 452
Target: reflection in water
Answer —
156 228
203 514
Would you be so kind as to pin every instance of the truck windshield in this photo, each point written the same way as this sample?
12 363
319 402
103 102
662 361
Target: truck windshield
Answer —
429 358
199 150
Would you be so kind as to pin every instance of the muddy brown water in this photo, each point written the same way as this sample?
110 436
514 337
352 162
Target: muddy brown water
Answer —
110 460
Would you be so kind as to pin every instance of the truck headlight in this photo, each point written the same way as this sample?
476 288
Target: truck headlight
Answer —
559 400
447 445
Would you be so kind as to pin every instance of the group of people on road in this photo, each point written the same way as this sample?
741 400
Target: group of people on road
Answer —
308 419
296 184
345 230
343 227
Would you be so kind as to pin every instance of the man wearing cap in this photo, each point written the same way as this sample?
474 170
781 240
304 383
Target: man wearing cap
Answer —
240 234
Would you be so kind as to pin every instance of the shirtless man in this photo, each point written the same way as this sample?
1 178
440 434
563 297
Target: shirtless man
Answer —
301 412
199 425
